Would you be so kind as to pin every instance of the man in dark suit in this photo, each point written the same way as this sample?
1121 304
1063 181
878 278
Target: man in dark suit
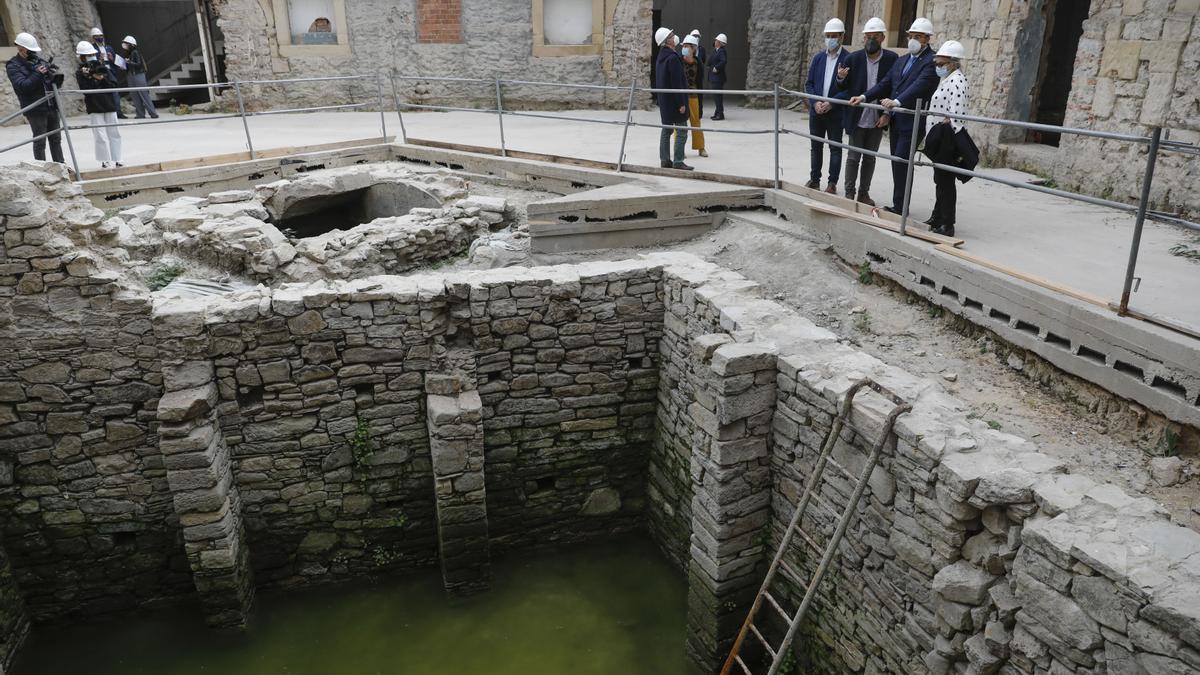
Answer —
864 127
672 107
825 120
716 75
912 77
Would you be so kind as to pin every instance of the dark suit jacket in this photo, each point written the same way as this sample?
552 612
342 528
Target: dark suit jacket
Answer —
668 74
920 83
856 82
716 67
815 84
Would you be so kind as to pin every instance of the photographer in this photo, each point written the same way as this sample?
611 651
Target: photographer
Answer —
32 78
102 108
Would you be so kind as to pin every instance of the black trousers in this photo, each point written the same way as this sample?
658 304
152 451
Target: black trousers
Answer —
42 122
947 197
719 99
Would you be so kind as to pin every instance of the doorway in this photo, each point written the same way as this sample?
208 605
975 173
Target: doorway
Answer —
712 17
1064 24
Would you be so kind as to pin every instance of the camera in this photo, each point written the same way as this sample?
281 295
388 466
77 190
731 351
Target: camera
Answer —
94 67
52 70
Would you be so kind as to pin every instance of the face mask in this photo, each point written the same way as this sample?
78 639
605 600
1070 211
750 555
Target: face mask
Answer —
942 71
914 46
831 43
873 46
687 51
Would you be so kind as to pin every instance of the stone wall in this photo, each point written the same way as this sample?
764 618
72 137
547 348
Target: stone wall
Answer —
14 621
496 39
970 552
84 511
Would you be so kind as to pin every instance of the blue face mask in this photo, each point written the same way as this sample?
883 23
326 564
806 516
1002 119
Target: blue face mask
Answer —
831 43
942 71
687 51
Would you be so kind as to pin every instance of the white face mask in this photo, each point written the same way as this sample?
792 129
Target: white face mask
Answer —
914 46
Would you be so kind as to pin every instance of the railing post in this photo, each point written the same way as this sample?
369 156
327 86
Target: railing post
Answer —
399 115
62 123
912 162
500 117
1143 203
777 182
382 120
237 89
625 132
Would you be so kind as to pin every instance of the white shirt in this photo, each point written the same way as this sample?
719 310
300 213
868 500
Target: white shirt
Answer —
831 59
951 97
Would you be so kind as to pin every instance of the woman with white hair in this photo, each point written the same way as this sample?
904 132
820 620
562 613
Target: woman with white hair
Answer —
950 97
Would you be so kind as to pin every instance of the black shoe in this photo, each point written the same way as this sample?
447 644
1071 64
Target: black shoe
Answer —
665 165
889 209
933 223
947 231
154 117
682 167
717 118
813 184
122 117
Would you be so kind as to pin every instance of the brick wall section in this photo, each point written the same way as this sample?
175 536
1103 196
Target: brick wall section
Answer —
439 21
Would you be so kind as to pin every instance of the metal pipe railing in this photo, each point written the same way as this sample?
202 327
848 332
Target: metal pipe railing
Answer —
1155 141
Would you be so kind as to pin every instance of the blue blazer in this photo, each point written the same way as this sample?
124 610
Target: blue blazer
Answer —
815 84
856 82
716 67
668 74
920 83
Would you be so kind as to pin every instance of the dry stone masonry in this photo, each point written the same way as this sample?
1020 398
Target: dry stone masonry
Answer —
157 448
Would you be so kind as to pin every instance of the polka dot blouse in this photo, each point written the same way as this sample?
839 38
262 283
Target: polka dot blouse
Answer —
951 97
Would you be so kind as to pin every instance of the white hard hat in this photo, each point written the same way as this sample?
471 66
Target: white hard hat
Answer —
691 40
85 48
835 26
921 25
27 41
128 39
875 25
95 32
722 40
661 35
952 49
696 32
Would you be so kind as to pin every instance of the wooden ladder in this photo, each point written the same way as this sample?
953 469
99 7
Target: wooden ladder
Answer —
859 485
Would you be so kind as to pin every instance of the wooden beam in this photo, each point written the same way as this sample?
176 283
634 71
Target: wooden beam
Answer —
229 158
1024 276
914 232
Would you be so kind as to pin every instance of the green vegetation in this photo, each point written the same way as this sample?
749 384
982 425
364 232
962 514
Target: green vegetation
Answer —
360 443
864 273
1186 252
863 322
163 275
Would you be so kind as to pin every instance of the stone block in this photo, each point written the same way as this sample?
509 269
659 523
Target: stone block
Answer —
601 502
1120 59
1058 614
187 404
963 582
748 357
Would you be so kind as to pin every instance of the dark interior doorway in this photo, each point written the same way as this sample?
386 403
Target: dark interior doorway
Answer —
906 13
712 17
1064 26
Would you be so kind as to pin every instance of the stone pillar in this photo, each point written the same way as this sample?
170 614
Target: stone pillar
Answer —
201 480
14 621
455 420
735 402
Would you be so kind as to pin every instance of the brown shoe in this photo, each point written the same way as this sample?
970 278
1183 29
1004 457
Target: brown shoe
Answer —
864 198
831 189
850 195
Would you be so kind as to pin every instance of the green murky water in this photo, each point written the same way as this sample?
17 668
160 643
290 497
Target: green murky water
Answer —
611 608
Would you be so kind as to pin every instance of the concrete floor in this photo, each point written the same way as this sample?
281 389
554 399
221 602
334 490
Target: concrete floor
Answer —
1074 244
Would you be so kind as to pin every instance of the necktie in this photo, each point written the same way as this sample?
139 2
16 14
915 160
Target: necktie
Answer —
908 65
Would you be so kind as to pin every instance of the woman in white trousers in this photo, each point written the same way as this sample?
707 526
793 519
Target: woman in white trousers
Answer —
101 108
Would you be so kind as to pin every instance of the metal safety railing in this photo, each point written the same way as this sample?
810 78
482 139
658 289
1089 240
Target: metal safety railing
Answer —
1154 141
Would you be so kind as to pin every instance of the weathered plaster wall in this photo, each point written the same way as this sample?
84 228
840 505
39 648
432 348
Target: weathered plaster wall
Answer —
497 38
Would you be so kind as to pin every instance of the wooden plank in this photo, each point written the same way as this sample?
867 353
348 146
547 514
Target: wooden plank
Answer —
228 158
914 232
594 164
1157 320
1024 276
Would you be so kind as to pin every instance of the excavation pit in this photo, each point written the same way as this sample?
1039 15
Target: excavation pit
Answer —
343 419
314 216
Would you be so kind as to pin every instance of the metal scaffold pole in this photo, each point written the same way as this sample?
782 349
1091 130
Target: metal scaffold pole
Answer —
625 131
